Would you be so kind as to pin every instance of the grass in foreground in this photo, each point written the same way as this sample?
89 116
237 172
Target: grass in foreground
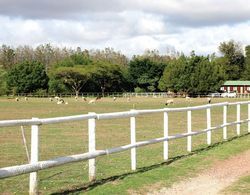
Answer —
166 173
113 172
242 186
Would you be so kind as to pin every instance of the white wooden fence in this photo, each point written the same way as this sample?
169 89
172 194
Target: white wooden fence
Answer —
36 165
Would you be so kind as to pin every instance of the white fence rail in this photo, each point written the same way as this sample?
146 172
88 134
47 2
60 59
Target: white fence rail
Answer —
36 165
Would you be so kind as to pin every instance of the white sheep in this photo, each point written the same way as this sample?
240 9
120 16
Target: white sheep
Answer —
188 98
170 101
57 98
209 100
60 101
128 99
114 98
17 99
25 98
92 101
50 99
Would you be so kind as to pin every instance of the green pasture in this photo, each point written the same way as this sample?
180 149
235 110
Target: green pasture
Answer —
242 186
114 175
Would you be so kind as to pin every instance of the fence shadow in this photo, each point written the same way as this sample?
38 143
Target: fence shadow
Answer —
91 185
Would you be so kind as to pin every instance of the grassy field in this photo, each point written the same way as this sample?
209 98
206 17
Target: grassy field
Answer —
242 186
113 172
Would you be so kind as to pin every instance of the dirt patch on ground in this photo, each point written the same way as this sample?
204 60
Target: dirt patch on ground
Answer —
213 180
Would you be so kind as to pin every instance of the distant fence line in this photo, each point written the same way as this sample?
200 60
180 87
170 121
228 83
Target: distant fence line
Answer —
123 94
36 165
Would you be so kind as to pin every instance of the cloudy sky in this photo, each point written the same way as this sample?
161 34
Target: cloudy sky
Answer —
130 26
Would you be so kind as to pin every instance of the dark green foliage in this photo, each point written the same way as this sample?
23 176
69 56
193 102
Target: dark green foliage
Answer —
3 84
56 85
246 74
75 59
192 75
79 71
207 77
109 71
233 59
175 77
81 58
73 78
145 73
27 77
107 77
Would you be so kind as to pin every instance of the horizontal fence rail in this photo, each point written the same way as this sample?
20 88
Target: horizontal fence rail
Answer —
36 165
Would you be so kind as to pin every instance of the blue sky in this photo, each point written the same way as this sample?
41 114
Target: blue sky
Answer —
130 26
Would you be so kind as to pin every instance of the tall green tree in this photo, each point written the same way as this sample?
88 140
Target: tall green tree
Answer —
192 75
176 76
145 73
206 77
27 77
246 74
107 77
7 56
233 59
72 77
3 84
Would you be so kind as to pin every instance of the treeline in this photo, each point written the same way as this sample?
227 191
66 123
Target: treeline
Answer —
48 69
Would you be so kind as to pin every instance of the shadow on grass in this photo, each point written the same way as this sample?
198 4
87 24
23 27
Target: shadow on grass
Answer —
91 185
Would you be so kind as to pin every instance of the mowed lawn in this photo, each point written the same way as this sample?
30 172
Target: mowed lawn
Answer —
72 138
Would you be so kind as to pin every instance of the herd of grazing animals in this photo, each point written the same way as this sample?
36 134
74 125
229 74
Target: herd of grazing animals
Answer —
60 100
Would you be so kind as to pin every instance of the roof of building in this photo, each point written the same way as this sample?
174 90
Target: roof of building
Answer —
236 83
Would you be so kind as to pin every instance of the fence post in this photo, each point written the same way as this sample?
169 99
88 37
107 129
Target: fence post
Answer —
209 126
133 141
189 130
91 132
165 143
224 122
34 158
238 119
248 105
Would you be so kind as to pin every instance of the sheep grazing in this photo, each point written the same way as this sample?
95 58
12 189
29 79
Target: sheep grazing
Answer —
170 101
209 100
50 99
17 99
60 101
57 98
114 98
94 100
76 98
84 98
25 98
188 98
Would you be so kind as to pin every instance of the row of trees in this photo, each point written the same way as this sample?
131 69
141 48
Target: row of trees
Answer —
61 70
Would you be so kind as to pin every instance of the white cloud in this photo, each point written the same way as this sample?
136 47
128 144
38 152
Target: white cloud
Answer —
17 32
131 26
204 40
185 12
